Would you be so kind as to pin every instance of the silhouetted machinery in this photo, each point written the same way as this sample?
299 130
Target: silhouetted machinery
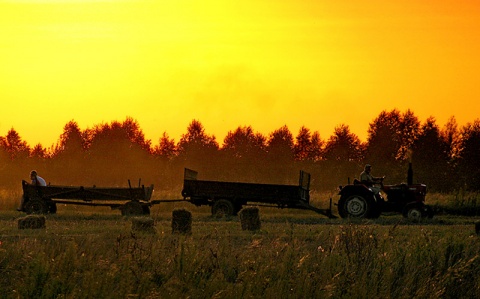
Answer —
360 201
228 198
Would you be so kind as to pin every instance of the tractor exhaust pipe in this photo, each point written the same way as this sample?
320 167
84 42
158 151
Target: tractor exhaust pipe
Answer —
410 174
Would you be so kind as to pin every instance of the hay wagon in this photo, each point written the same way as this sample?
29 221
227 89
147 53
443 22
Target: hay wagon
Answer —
44 199
228 198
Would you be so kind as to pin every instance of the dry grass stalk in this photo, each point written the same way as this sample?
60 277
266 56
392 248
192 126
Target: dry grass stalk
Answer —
181 221
250 218
143 224
32 222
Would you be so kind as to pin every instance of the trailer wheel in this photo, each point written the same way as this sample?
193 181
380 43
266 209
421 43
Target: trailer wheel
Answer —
132 208
36 206
222 207
354 206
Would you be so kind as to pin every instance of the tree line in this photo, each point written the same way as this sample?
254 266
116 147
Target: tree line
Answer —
445 159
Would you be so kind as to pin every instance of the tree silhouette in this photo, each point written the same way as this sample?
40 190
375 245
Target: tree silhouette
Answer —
384 142
197 149
115 152
38 152
71 141
452 138
244 143
69 155
409 128
196 138
308 147
110 153
135 134
344 146
166 147
15 161
280 145
15 147
469 163
244 153
430 157
343 153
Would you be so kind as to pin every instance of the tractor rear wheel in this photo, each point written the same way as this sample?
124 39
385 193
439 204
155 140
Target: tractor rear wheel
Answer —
36 206
355 206
223 207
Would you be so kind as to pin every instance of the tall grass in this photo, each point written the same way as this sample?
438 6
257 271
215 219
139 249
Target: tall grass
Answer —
100 257
456 203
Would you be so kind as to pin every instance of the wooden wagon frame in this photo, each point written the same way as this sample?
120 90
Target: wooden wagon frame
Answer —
44 199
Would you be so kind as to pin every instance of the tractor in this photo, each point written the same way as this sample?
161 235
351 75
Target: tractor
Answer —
358 200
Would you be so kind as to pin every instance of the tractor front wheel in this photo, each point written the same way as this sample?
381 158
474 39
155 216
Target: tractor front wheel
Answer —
413 212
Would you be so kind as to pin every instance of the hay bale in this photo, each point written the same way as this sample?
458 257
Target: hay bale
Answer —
181 221
250 218
32 222
477 228
143 224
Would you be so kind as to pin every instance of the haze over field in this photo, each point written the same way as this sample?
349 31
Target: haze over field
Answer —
259 63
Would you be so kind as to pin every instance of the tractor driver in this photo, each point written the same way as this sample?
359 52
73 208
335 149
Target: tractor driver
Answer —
368 180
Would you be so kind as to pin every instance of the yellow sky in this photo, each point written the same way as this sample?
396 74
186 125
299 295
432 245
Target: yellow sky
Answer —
234 63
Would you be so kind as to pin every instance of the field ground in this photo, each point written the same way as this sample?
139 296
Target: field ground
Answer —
87 252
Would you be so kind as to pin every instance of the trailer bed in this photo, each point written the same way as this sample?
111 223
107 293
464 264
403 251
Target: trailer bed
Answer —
43 199
229 197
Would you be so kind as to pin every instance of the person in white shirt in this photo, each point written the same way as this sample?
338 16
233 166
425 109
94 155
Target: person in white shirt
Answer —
36 179
368 180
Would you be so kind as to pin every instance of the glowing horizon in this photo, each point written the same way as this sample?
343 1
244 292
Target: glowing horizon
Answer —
263 64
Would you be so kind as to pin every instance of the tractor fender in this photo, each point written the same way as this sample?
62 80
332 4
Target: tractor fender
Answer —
356 189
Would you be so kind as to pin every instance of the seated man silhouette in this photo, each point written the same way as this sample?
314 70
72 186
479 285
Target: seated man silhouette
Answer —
36 179
370 181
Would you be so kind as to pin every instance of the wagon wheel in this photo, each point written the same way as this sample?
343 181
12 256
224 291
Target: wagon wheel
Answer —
132 208
355 206
36 206
222 207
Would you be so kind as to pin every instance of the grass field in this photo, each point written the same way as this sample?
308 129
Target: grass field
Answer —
93 253
87 252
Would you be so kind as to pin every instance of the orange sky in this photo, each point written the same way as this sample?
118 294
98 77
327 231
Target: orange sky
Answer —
234 63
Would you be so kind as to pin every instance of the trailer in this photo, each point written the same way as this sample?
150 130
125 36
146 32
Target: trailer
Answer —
228 198
224 198
44 199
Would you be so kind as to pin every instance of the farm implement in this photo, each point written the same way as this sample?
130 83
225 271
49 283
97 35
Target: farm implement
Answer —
224 198
44 199
228 198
